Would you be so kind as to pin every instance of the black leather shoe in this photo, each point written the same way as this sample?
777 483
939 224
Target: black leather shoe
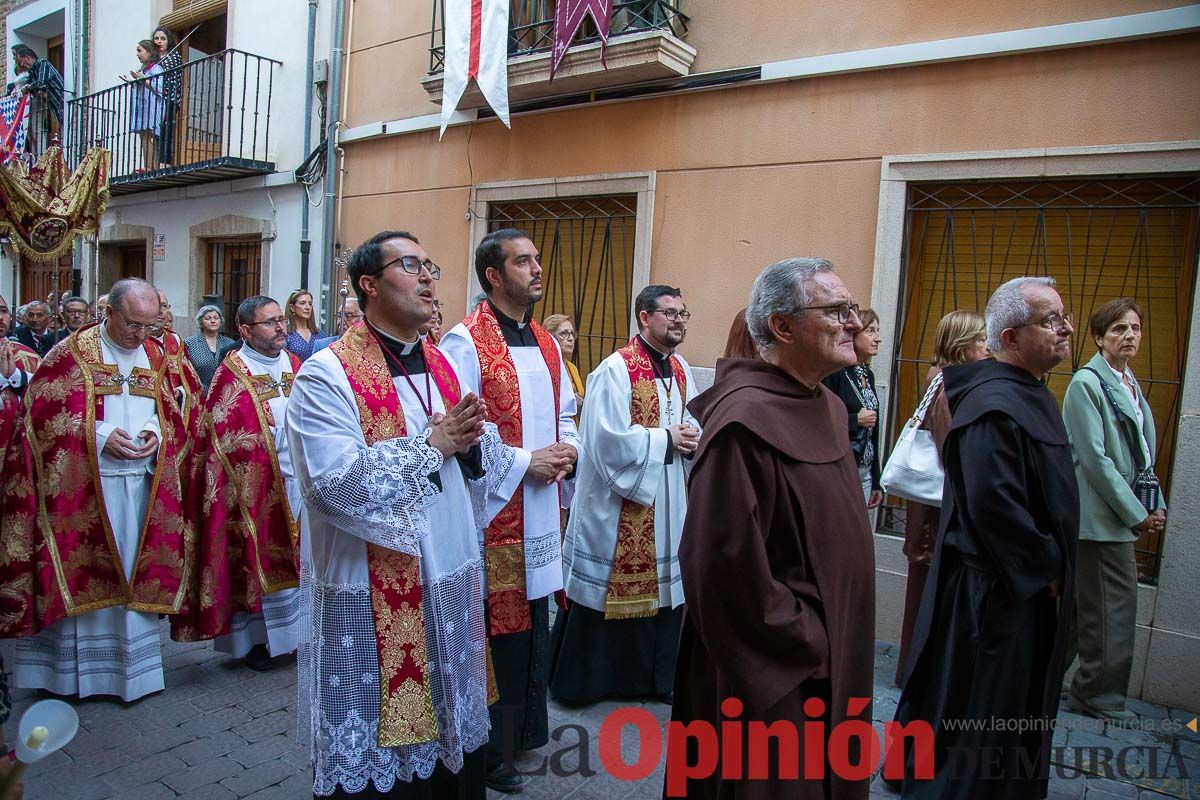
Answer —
259 658
505 782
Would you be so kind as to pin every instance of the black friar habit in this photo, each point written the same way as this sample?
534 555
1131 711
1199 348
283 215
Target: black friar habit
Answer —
778 570
989 643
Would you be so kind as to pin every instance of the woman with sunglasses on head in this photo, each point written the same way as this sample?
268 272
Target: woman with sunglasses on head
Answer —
856 387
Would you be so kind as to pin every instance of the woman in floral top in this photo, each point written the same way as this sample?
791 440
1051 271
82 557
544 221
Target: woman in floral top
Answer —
168 60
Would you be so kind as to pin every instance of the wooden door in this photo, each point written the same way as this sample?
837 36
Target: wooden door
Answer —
132 261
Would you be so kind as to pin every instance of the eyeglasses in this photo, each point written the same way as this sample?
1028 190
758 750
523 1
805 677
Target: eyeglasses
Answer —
277 322
1053 322
844 310
673 315
412 265
353 316
566 334
136 327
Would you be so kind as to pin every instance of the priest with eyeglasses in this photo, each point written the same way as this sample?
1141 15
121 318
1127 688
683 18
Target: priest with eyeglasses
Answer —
619 634
96 532
248 551
398 471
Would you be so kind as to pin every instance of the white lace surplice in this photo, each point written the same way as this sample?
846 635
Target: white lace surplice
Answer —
354 494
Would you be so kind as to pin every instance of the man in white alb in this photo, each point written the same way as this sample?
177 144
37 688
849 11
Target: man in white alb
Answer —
515 365
397 469
620 632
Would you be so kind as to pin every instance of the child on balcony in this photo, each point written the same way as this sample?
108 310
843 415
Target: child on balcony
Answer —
146 111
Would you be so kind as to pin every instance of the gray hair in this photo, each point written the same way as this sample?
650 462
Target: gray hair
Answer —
476 300
1008 307
72 298
209 309
126 286
780 289
32 304
249 307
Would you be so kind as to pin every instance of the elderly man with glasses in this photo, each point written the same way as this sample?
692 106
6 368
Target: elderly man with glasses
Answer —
95 525
246 576
989 645
776 555
621 552
349 315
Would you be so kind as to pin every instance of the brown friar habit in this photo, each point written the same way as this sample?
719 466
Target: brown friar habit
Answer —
988 643
778 572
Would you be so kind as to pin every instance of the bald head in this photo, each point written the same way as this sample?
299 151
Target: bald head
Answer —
133 308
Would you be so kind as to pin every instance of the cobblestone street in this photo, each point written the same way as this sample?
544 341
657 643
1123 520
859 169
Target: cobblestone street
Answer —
221 731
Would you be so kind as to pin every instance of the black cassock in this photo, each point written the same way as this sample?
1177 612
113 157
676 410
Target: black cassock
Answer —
989 644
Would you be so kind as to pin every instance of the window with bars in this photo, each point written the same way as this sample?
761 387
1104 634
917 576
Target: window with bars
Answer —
586 246
234 272
1099 238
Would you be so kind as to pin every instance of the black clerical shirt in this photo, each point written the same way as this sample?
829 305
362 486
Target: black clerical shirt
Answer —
412 357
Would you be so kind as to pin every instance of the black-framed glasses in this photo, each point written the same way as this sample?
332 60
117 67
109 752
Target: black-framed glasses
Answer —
673 315
413 265
1052 322
844 310
277 322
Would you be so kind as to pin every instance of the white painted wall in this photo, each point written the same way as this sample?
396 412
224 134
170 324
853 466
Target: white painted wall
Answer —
173 213
117 28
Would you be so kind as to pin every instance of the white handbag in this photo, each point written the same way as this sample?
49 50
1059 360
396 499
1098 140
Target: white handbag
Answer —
914 470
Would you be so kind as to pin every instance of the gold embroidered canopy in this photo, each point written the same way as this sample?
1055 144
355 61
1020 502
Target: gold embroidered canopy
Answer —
43 208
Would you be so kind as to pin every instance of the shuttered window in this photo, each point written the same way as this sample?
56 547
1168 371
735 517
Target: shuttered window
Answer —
1099 238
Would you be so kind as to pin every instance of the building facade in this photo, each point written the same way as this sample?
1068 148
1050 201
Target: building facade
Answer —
204 205
929 150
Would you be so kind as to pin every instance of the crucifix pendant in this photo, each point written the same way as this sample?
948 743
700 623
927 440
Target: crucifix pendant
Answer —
670 410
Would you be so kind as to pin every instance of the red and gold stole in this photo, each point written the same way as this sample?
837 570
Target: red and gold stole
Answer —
183 375
10 404
248 540
504 539
61 558
406 714
633 583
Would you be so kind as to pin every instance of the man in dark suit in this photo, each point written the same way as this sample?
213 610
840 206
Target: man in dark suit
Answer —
34 334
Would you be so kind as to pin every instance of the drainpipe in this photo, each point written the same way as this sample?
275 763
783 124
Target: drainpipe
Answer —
332 118
305 244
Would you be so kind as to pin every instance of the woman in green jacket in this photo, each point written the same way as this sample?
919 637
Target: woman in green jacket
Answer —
1112 437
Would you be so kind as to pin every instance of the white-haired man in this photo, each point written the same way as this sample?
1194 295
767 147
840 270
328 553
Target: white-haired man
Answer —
776 555
989 642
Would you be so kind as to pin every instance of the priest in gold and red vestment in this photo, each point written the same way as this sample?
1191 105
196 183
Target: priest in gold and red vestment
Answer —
397 470
515 365
97 539
186 386
248 551
619 634
17 365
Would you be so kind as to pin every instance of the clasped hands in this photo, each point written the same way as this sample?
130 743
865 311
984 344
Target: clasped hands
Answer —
460 428
685 437
129 448
8 359
1155 522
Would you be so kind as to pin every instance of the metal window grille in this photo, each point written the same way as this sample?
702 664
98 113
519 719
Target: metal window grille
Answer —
586 246
234 273
1100 238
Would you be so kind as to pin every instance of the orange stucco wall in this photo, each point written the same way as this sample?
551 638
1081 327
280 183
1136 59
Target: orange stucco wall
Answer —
750 174
389 41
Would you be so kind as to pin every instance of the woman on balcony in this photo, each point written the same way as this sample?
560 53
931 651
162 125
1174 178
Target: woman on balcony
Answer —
169 61
147 109
303 322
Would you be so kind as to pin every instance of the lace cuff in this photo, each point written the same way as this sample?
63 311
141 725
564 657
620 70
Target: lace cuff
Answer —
498 459
382 495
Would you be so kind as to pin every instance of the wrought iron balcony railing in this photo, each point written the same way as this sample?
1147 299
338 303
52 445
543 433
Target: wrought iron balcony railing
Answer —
207 120
531 25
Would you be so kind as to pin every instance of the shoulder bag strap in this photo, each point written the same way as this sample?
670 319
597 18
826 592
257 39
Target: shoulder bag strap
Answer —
1134 451
919 415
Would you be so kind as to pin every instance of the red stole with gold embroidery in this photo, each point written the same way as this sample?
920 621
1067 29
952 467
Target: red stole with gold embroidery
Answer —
61 557
504 538
406 714
10 403
248 541
633 582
